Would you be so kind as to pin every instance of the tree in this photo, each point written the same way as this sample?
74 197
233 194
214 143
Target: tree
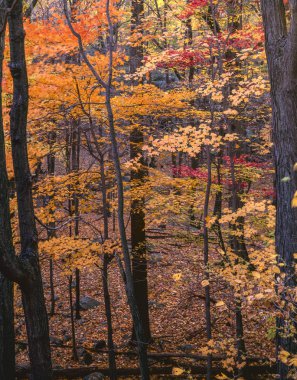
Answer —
7 355
23 269
107 86
138 239
281 50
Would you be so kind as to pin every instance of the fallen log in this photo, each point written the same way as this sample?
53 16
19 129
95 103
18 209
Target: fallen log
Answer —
76 373
156 355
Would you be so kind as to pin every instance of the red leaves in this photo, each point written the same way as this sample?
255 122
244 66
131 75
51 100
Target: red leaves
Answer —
182 59
245 160
191 8
184 171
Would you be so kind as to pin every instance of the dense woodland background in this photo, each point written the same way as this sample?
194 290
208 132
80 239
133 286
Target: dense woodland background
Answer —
148 158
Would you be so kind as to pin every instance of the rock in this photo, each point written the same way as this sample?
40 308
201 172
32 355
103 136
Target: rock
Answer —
84 355
94 376
67 338
156 257
23 367
156 304
81 352
56 341
20 346
99 345
187 347
87 358
87 303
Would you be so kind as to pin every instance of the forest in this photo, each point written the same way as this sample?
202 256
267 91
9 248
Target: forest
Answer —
148 189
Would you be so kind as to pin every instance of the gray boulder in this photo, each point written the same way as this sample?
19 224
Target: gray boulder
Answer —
94 376
99 345
87 303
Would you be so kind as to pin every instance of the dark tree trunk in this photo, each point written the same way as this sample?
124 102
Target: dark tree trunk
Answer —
281 50
206 261
129 286
141 344
189 43
32 288
111 349
7 353
106 260
75 156
7 349
137 215
51 163
73 336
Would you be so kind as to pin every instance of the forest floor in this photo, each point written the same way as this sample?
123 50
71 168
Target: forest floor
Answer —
176 310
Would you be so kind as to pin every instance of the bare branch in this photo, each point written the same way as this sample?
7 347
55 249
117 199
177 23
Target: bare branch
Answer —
81 47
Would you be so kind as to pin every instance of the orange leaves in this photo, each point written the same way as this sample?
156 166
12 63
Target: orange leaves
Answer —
52 38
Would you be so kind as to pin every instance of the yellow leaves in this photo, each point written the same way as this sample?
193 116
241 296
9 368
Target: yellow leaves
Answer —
248 88
294 200
177 276
222 376
177 371
256 274
259 296
284 356
251 207
275 269
217 96
230 112
213 88
220 304
287 358
189 140
210 220
76 252
205 283
293 361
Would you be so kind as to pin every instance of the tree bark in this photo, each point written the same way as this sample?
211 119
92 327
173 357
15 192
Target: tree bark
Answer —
107 303
281 51
7 349
32 288
51 163
206 261
137 213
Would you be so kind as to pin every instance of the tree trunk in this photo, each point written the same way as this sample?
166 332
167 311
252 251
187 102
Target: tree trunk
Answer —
73 336
7 350
137 214
51 163
281 50
32 288
141 345
75 158
206 261
111 350
129 287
